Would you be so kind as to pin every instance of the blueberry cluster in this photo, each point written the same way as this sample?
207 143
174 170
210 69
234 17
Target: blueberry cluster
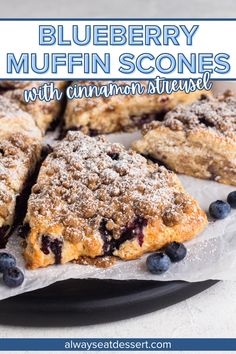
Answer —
12 276
220 209
159 262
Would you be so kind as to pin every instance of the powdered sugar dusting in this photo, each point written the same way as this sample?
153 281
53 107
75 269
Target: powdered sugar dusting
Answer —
206 113
20 145
86 180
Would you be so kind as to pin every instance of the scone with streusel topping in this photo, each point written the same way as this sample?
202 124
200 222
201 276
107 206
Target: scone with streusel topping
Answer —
94 198
102 115
44 113
197 140
20 146
13 84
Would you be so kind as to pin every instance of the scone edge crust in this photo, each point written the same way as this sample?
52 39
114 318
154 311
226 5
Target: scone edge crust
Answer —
197 140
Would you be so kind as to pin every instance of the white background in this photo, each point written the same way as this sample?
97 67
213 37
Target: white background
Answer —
116 9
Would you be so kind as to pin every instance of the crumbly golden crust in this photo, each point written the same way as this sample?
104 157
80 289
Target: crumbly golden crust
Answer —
20 146
94 198
119 112
13 84
44 113
198 139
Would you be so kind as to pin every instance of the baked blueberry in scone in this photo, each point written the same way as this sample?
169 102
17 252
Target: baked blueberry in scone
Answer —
44 113
94 198
101 115
197 139
20 146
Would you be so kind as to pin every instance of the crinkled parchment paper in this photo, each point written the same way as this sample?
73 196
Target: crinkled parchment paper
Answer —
211 255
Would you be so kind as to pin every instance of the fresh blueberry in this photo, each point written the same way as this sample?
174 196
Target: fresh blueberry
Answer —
158 263
176 251
13 277
6 261
219 209
231 199
113 155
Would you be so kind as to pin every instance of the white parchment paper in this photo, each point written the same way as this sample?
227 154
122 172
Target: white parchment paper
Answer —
211 255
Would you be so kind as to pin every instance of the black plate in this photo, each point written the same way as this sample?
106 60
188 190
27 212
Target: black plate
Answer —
81 302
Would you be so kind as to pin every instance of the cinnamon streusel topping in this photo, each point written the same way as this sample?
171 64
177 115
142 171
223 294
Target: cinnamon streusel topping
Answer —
89 184
206 113
9 109
13 84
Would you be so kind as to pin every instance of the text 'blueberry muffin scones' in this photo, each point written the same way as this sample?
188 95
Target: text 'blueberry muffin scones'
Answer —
101 115
94 198
20 147
197 140
44 113
13 84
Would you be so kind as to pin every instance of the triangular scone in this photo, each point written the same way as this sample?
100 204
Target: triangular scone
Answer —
197 140
94 198
44 113
100 115
20 147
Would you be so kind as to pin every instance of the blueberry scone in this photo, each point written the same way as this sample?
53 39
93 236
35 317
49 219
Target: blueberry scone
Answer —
13 84
101 115
197 140
20 146
44 113
94 198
